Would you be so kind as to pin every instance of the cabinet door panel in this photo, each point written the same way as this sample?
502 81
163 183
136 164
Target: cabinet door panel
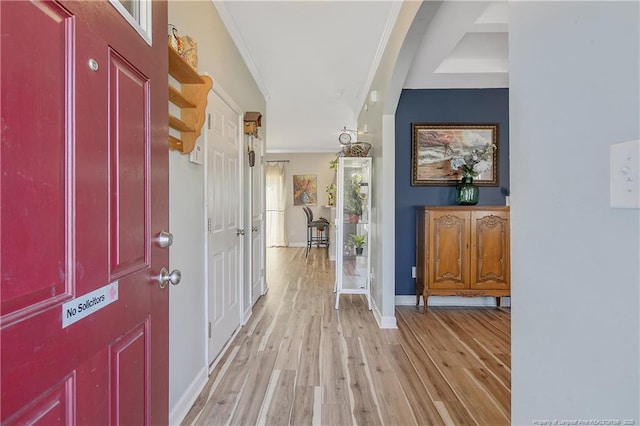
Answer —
449 250
490 250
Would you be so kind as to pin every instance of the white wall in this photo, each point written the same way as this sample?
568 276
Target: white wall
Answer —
305 164
574 91
218 57
405 30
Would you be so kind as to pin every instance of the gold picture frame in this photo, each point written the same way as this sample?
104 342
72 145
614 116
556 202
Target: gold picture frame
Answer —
434 144
305 190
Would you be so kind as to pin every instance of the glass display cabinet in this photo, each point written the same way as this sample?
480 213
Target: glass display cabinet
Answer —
353 212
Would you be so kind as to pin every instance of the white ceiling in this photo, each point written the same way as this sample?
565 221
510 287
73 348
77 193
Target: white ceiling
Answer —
314 60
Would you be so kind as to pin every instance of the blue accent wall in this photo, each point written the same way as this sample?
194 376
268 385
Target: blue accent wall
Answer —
441 106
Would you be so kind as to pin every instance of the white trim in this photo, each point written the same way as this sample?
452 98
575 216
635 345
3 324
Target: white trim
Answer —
304 150
410 300
258 173
181 409
224 349
243 273
219 91
144 27
263 227
303 244
387 217
230 24
383 322
247 314
297 244
382 45
205 227
247 142
388 322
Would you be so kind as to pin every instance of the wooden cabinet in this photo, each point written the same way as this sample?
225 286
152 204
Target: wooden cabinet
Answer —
191 99
462 251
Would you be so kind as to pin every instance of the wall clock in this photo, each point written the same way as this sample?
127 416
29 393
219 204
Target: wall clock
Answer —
344 138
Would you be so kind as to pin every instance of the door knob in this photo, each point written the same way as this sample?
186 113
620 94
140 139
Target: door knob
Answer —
165 277
240 232
164 239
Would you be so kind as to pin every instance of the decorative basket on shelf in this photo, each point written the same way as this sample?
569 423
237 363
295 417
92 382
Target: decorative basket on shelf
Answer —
189 51
356 149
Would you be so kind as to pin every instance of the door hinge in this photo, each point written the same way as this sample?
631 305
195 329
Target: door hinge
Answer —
262 272
209 330
209 224
209 121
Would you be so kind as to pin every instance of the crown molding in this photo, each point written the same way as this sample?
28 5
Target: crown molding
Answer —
386 34
230 24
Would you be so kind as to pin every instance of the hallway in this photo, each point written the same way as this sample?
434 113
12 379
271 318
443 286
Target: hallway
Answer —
300 362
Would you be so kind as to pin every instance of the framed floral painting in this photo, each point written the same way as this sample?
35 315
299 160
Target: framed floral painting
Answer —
441 154
305 190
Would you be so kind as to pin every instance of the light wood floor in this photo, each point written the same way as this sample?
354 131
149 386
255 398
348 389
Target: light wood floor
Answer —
300 362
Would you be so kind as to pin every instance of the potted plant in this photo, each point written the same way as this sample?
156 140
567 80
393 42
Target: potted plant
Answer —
331 193
470 165
358 242
353 200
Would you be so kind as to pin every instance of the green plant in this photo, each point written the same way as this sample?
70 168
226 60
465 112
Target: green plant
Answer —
331 193
357 240
331 189
353 199
333 164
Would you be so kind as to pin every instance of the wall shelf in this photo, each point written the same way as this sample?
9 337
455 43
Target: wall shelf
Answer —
175 143
176 123
182 71
191 98
176 97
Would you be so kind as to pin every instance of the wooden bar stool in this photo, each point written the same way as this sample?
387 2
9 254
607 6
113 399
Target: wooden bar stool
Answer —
321 226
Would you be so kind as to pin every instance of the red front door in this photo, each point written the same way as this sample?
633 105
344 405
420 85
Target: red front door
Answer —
84 192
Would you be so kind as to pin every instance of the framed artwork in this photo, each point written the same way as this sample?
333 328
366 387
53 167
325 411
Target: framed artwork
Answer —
305 190
434 145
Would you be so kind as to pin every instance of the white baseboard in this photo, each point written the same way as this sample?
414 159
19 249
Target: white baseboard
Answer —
225 349
410 300
332 255
383 322
303 244
182 407
247 315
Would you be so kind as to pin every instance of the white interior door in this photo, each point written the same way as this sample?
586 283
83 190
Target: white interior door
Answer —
257 225
224 208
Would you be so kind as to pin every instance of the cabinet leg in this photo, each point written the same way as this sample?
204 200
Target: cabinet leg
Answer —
417 300
425 298
498 302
